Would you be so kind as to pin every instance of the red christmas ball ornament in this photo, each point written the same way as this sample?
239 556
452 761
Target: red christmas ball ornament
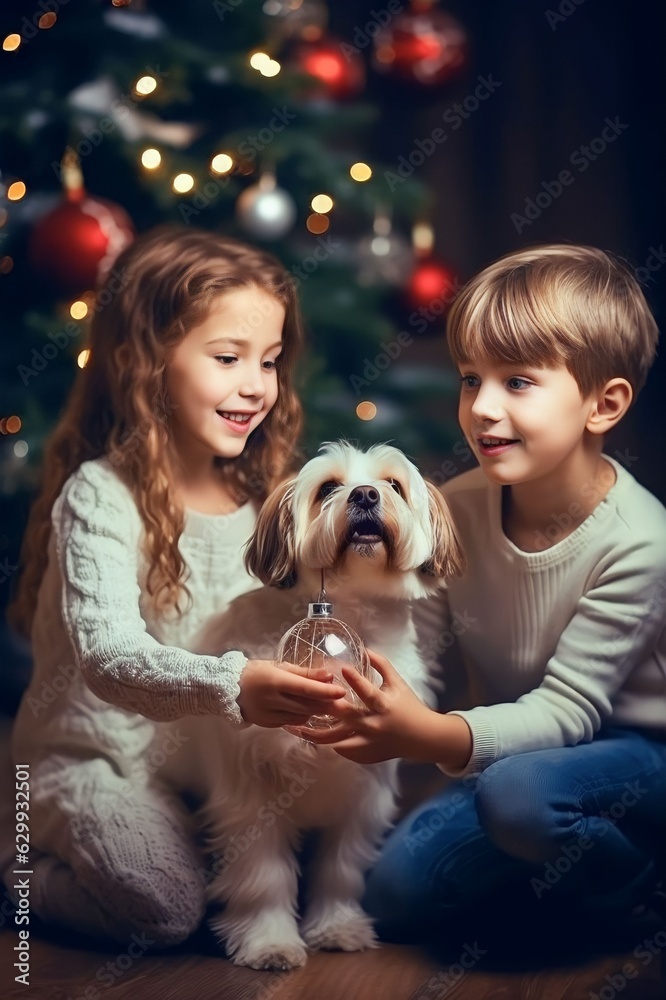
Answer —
421 45
432 287
340 75
75 245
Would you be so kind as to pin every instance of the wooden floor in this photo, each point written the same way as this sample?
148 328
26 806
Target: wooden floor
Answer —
67 969
533 964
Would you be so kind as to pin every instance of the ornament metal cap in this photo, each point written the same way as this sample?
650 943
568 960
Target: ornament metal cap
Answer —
71 175
320 609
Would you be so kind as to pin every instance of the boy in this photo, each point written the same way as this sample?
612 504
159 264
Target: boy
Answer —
563 760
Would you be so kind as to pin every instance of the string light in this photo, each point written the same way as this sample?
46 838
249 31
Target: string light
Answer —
221 163
360 172
182 183
322 203
423 238
271 68
10 425
151 158
145 85
263 63
3 216
21 449
82 359
6 265
78 309
11 43
366 410
47 20
259 59
317 224
16 191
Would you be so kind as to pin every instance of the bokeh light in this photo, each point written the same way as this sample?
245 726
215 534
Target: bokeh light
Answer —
221 163
366 410
322 203
360 172
151 158
183 183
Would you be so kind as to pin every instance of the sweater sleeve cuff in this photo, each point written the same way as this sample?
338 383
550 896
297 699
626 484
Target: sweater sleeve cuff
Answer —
485 749
225 687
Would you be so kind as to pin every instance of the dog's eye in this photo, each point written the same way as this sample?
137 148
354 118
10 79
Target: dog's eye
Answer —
396 486
326 489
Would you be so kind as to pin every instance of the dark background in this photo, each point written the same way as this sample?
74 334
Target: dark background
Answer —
558 85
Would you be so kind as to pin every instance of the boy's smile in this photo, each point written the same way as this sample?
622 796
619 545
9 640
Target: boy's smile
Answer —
489 445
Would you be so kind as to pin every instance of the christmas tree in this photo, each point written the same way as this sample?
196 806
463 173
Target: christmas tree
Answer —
244 117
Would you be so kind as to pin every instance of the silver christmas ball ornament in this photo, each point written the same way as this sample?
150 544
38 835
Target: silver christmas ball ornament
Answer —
266 210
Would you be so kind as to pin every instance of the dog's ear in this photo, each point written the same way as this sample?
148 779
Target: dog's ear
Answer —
447 557
270 550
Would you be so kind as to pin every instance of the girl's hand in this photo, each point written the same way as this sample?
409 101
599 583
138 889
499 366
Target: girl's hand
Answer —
274 694
394 722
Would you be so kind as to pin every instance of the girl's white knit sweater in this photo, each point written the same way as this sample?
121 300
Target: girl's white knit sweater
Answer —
103 665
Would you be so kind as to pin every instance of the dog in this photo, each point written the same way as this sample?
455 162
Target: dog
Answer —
384 538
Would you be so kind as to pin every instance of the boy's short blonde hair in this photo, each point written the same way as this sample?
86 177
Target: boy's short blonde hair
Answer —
557 304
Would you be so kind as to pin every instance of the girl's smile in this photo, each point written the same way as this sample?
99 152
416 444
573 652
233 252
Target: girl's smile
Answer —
237 421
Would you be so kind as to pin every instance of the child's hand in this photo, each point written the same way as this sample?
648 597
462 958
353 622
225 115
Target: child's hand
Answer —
394 722
274 694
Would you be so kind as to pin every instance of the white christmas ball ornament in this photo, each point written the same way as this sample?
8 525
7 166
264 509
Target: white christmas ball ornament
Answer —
384 260
265 210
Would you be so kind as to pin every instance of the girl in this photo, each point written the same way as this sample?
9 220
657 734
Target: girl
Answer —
182 421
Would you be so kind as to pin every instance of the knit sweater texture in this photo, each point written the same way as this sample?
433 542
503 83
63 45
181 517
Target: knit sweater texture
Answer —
105 667
564 640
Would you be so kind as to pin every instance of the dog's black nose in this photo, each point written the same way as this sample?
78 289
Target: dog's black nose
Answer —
364 496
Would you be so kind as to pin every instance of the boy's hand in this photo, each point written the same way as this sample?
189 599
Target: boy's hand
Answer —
274 694
394 722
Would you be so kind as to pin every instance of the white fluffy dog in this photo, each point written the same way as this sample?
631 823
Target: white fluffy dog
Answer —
384 538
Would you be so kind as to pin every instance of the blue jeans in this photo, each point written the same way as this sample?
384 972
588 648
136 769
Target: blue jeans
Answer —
574 827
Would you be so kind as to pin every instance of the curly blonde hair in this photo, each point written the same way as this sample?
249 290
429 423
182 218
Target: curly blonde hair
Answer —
118 406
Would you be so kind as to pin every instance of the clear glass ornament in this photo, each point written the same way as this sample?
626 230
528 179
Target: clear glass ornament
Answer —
320 640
